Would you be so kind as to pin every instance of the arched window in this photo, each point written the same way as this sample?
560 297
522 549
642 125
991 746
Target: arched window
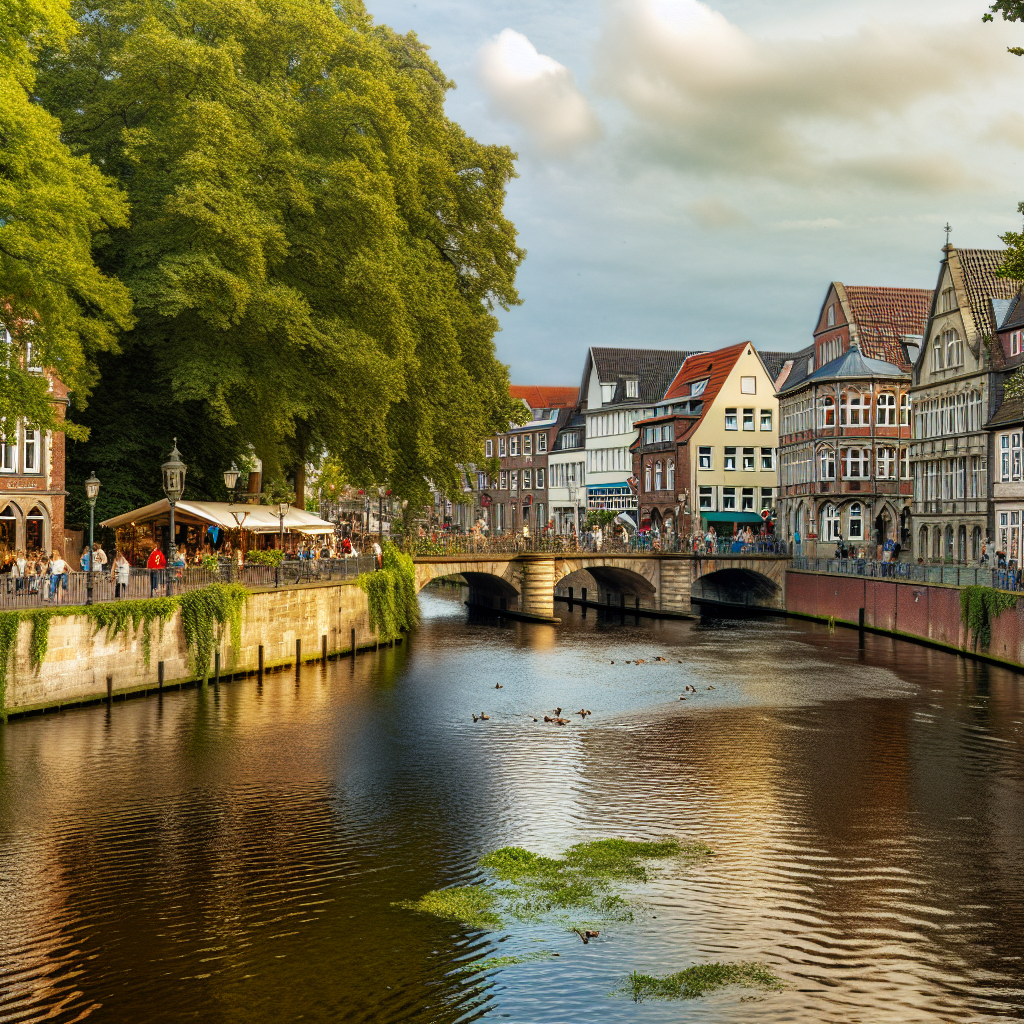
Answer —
856 522
949 544
671 475
8 528
954 348
658 481
34 529
826 411
905 411
961 413
976 544
974 419
831 524
831 319
647 477
937 360
856 409
922 543
886 416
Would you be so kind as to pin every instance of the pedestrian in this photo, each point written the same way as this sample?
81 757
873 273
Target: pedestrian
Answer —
378 555
121 572
99 556
59 570
156 563
19 571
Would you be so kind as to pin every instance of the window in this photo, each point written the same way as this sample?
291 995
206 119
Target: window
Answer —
527 444
501 447
706 498
856 463
1015 343
827 460
540 479
607 393
856 522
542 442
697 388
513 446
748 460
767 459
704 457
9 453
1015 457
503 480
728 499
730 458
748 385
488 449
766 497
826 411
647 479
766 419
632 388
937 363
658 478
830 319
527 479
886 464
670 472
668 431
856 409
748 499
954 348
513 479
748 419
905 411
947 300
886 415
831 524
31 462
904 463
730 419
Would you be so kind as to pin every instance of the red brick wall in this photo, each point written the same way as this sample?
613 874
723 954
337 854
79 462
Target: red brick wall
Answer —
926 611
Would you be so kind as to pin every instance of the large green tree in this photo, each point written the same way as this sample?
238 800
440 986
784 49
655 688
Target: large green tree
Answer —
55 208
316 250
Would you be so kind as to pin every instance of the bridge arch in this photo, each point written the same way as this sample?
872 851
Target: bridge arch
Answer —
736 586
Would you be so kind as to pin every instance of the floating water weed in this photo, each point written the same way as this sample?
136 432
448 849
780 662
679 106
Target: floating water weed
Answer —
469 904
493 962
701 979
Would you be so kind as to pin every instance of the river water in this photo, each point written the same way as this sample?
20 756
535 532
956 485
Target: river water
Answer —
235 854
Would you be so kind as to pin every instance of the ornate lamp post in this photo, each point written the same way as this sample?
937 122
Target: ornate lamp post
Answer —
173 471
240 516
92 490
231 479
282 508
380 516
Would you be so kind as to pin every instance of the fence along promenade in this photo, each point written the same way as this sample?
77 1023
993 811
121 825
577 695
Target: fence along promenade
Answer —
72 588
511 544
911 572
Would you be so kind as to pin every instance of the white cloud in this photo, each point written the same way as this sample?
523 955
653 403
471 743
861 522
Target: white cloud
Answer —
876 106
711 213
536 92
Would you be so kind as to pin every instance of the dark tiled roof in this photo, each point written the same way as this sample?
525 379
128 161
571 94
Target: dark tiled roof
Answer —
774 361
979 267
540 397
854 365
798 375
654 367
884 316
1011 411
1013 320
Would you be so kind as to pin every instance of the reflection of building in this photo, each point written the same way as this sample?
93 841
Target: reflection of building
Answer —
32 483
845 425
955 392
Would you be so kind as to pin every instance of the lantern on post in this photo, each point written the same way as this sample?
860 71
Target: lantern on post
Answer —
173 471
92 490
231 478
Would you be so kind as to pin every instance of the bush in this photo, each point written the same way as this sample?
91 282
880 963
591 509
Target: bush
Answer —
272 557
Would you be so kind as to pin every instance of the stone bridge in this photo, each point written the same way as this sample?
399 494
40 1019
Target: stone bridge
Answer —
528 583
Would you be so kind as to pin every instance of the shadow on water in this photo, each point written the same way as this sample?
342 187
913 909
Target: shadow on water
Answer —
235 852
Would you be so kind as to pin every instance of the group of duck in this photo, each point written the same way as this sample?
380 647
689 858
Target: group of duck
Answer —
555 718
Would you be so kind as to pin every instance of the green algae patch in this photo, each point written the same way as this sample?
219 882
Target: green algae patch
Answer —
473 905
701 979
494 962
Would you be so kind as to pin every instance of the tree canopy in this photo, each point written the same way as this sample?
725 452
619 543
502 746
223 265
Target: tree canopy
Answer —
316 251
1010 10
55 208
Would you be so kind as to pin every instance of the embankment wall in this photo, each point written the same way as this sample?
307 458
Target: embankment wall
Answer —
929 612
79 660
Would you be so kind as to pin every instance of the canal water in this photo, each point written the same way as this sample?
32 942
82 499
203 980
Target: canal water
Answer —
236 854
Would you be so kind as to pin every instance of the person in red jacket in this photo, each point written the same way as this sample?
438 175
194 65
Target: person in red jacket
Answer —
156 563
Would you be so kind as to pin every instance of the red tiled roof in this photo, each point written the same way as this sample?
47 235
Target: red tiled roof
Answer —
537 396
715 366
883 317
979 267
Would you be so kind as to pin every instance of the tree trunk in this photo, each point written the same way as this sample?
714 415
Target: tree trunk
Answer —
300 486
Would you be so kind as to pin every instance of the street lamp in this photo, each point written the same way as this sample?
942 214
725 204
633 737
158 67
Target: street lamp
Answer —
231 477
282 508
173 471
92 490
380 516
240 517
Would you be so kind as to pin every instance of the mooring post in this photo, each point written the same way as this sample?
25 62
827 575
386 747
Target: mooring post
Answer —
259 671
583 595
323 648
110 689
860 627
298 657
160 676
216 668
570 599
353 643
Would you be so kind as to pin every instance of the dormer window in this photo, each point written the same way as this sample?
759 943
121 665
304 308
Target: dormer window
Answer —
607 392
830 319
632 388
697 388
947 300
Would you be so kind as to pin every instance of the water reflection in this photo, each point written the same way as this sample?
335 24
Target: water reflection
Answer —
235 853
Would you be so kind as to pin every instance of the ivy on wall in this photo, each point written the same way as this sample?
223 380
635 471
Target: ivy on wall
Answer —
391 594
978 607
204 615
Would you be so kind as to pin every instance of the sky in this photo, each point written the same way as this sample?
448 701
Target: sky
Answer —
695 174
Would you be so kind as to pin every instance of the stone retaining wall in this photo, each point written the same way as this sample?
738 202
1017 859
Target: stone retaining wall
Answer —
78 663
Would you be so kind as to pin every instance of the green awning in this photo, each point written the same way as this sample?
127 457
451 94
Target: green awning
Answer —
731 517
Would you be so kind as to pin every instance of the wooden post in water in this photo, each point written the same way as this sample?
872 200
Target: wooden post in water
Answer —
160 676
353 643
110 689
860 627
583 595
323 648
259 671
216 668
298 657
570 599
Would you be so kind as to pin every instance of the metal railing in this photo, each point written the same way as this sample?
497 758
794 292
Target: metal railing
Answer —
447 545
911 572
72 587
